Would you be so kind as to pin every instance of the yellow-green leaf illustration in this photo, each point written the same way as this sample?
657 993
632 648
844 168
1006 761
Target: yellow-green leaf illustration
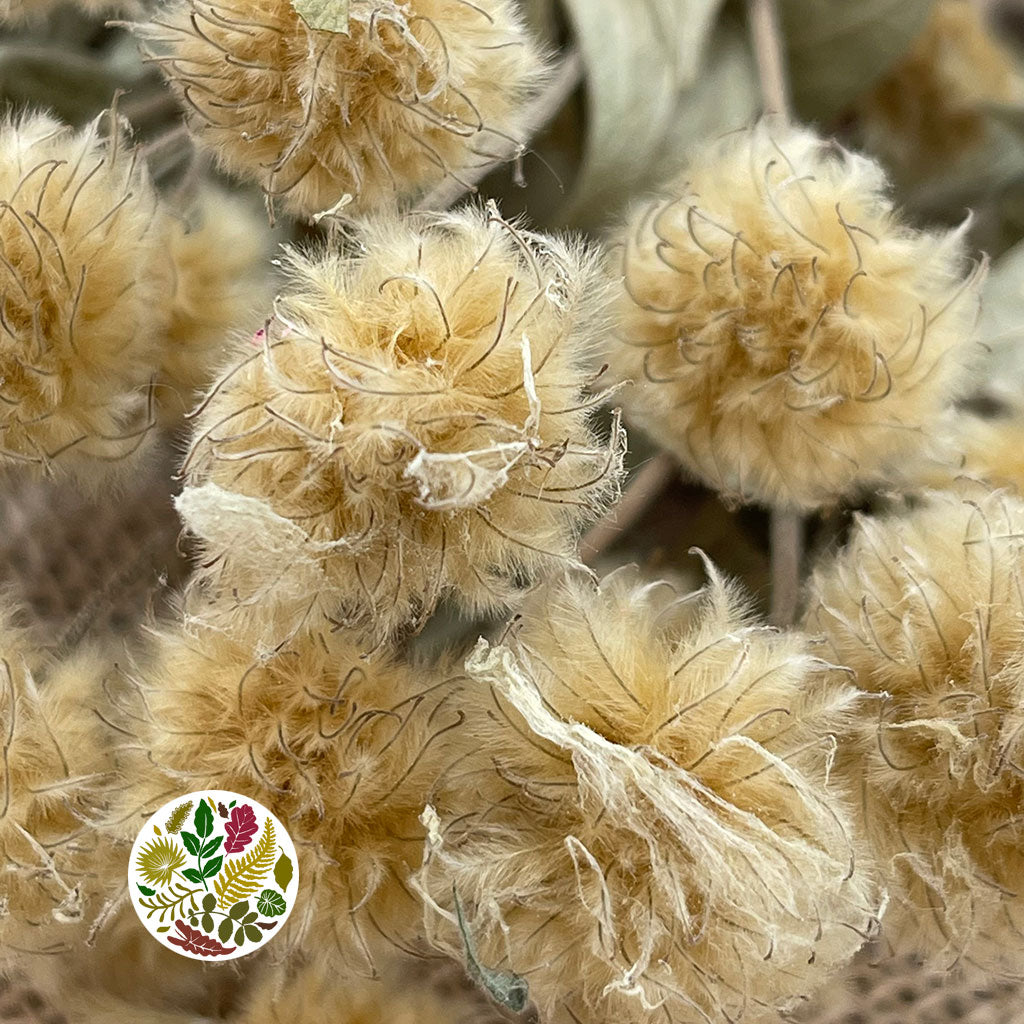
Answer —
159 859
244 876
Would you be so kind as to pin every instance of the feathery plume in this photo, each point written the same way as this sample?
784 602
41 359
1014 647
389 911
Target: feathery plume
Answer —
342 748
413 423
927 608
789 339
80 278
645 816
409 94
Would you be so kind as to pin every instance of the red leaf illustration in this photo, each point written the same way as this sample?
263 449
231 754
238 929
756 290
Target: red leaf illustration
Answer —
240 828
194 941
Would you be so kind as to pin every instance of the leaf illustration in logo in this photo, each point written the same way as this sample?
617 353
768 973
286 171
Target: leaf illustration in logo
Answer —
211 847
193 875
178 899
271 903
194 941
145 891
159 859
211 867
244 876
221 809
203 820
177 818
192 843
240 829
283 872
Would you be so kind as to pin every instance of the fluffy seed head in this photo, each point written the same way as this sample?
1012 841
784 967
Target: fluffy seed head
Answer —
410 93
55 777
788 337
411 423
220 262
645 818
928 609
341 748
930 109
21 11
80 281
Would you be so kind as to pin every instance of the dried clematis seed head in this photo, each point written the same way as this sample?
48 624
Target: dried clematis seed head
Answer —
220 260
340 746
643 815
81 277
413 422
926 607
786 335
408 94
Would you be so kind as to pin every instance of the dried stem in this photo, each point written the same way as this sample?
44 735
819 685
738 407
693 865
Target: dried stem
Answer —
643 490
559 88
787 527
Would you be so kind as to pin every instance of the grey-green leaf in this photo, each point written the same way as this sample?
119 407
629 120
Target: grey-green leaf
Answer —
505 988
639 59
323 15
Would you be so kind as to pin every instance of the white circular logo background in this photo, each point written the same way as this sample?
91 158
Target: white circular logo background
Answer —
213 875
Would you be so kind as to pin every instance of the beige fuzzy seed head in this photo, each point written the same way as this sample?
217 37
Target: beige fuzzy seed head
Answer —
788 337
413 423
59 873
411 93
645 820
81 284
928 609
343 749
220 259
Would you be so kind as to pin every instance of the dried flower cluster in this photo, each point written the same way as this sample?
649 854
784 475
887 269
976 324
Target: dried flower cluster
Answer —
788 337
342 748
80 281
408 94
411 424
645 820
927 608
55 778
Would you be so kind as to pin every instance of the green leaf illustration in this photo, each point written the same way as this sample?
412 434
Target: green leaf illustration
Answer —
164 928
252 934
211 867
203 820
192 843
209 902
250 918
283 872
211 847
172 901
271 903
177 818
192 875
224 931
244 876
207 923
240 936
239 910
145 891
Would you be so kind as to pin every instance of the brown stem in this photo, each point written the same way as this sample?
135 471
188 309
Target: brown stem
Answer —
643 490
560 87
787 527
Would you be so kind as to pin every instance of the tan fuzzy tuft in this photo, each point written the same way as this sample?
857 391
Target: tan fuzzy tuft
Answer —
28 11
645 820
930 110
788 337
221 264
412 424
341 748
928 609
81 280
411 93
59 873
406 992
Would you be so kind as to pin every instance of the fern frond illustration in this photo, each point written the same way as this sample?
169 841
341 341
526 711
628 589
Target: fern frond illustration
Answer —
159 859
177 818
244 876
173 901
